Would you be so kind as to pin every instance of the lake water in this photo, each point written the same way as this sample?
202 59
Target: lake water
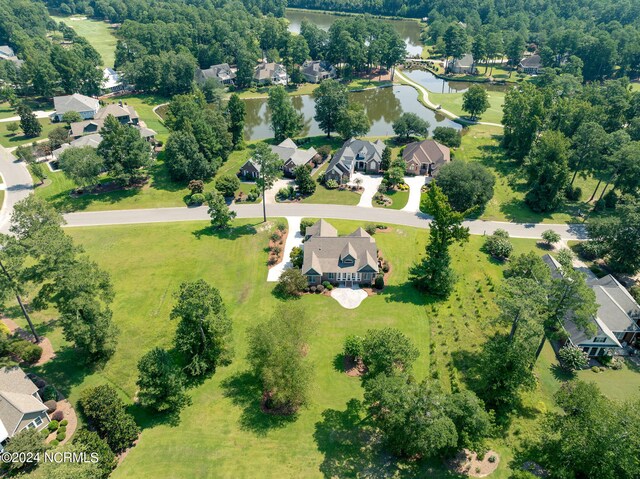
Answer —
383 106
438 85
409 30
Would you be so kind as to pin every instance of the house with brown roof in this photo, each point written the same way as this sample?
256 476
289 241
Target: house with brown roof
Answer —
288 152
346 260
20 404
425 157
270 72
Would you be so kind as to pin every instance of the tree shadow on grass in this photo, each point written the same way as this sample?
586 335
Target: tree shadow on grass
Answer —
66 371
226 234
160 179
408 294
353 448
148 419
245 391
561 374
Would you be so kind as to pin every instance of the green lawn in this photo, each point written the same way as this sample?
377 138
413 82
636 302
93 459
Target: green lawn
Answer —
223 433
99 34
399 200
453 103
6 111
481 143
10 140
263 91
335 196
144 105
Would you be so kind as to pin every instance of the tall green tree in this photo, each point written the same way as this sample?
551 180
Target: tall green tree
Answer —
475 101
523 117
456 41
277 350
305 183
286 122
388 351
617 236
236 110
184 160
219 211
548 170
270 168
331 103
410 124
29 124
353 121
82 165
204 332
126 154
161 382
434 273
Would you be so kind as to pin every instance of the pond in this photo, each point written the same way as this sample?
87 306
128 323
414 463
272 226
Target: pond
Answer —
409 30
438 85
382 105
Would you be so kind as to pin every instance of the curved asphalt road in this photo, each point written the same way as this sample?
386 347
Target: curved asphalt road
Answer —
18 185
373 215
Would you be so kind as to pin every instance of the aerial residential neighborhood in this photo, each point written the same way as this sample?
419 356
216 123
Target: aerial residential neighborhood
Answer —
319 238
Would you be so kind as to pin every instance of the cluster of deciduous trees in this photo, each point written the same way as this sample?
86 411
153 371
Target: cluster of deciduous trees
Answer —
39 258
48 66
200 139
560 129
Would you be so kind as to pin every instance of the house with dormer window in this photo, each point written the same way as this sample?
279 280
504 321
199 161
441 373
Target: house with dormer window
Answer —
355 155
346 260
615 323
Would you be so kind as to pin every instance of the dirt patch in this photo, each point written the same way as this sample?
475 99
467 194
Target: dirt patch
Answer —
353 367
47 349
467 462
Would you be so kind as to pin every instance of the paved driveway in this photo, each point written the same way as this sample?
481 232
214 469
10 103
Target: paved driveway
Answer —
270 195
349 298
415 189
370 183
294 238
18 185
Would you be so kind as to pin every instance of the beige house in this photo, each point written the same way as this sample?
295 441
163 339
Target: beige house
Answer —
425 157
20 405
346 260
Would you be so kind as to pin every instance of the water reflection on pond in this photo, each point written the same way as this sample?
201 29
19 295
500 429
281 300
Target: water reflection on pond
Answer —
439 85
409 30
383 106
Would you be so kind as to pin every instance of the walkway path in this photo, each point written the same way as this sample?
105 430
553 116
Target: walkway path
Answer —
429 104
372 215
38 114
18 185
294 238
370 183
415 190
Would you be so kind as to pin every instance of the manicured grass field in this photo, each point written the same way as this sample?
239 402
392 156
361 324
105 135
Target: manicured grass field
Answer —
99 34
453 103
399 199
223 433
481 143
10 140
6 111
335 196
263 92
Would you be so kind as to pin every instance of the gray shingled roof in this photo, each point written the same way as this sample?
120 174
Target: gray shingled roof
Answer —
75 102
465 62
533 61
345 157
17 398
327 254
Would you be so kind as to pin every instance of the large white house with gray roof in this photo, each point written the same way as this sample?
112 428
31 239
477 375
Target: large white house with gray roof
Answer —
616 322
86 106
348 260
288 152
20 405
